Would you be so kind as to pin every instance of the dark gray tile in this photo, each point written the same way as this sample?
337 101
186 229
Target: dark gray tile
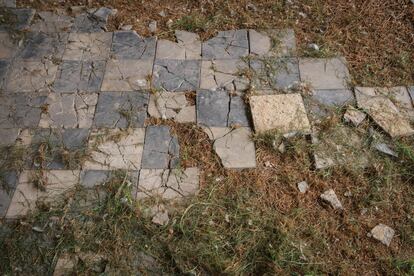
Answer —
239 113
226 45
212 108
41 45
18 19
4 67
130 45
8 183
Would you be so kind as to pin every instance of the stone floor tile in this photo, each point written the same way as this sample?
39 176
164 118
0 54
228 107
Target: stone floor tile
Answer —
8 183
224 74
161 149
226 45
51 22
212 108
8 136
121 110
171 105
79 76
19 19
8 45
57 184
275 73
188 46
239 114
113 149
400 96
383 111
284 113
176 75
91 20
324 73
41 45
8 3
168 184
21 111
272 43
130 45
322 103
92 178
72 110
31 76
127 75
88 46
4 67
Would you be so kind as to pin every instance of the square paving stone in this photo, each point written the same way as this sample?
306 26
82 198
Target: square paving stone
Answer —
113 149
79 76
130 45
168 184
171 105
121 110
127 75
40 45
275 73
188 46
272 43
324 73
51 22
161 149
322 103
57 184
383 111
284 113
8 136
8 183
92 20
88 46
226 45
4 66
70 110
9 44
224 74
31 76
21 111
18 19
176 75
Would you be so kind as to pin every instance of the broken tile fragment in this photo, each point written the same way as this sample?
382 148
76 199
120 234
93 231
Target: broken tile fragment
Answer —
39 46
272 43
88 46
161 149
113 149
79 76
324 103
168 184
383 111
400 96
20 111
354 116
159 215
18 19
226 45
383 233
239 114
72 110
65 265
51 22
223 74
31 76
173 75
168 105
130 45
384 148
8 136
330 197
188 46
8 182
127 75
121 110
324 73
284 113
92 20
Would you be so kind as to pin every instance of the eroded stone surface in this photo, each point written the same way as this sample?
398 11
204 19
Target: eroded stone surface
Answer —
91 21
8 45
324 73
18 19
88 46
121 110
70 110
41 45
56 183
168 184
272 43
130 45
51 22
79 76
114 149
176 75
20 111
169 105
330 197
226 45
31 76
8 184
383 233
188 46
223 74
383 111
127 75
284 113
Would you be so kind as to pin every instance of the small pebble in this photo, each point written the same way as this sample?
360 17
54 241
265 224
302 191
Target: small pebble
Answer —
303 187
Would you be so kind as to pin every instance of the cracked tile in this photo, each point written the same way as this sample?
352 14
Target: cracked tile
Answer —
113 149
272 43
383 111
130 45
275 73
79 76
20 111
4 67
31 76
121 110
224 74
176 75
161 149
70 110
8 183
26 195
9 45
324 73
18 19
127 75
187 47
284 113
171 105
40 45
92 20
88 46
226 45
168 184
51 22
